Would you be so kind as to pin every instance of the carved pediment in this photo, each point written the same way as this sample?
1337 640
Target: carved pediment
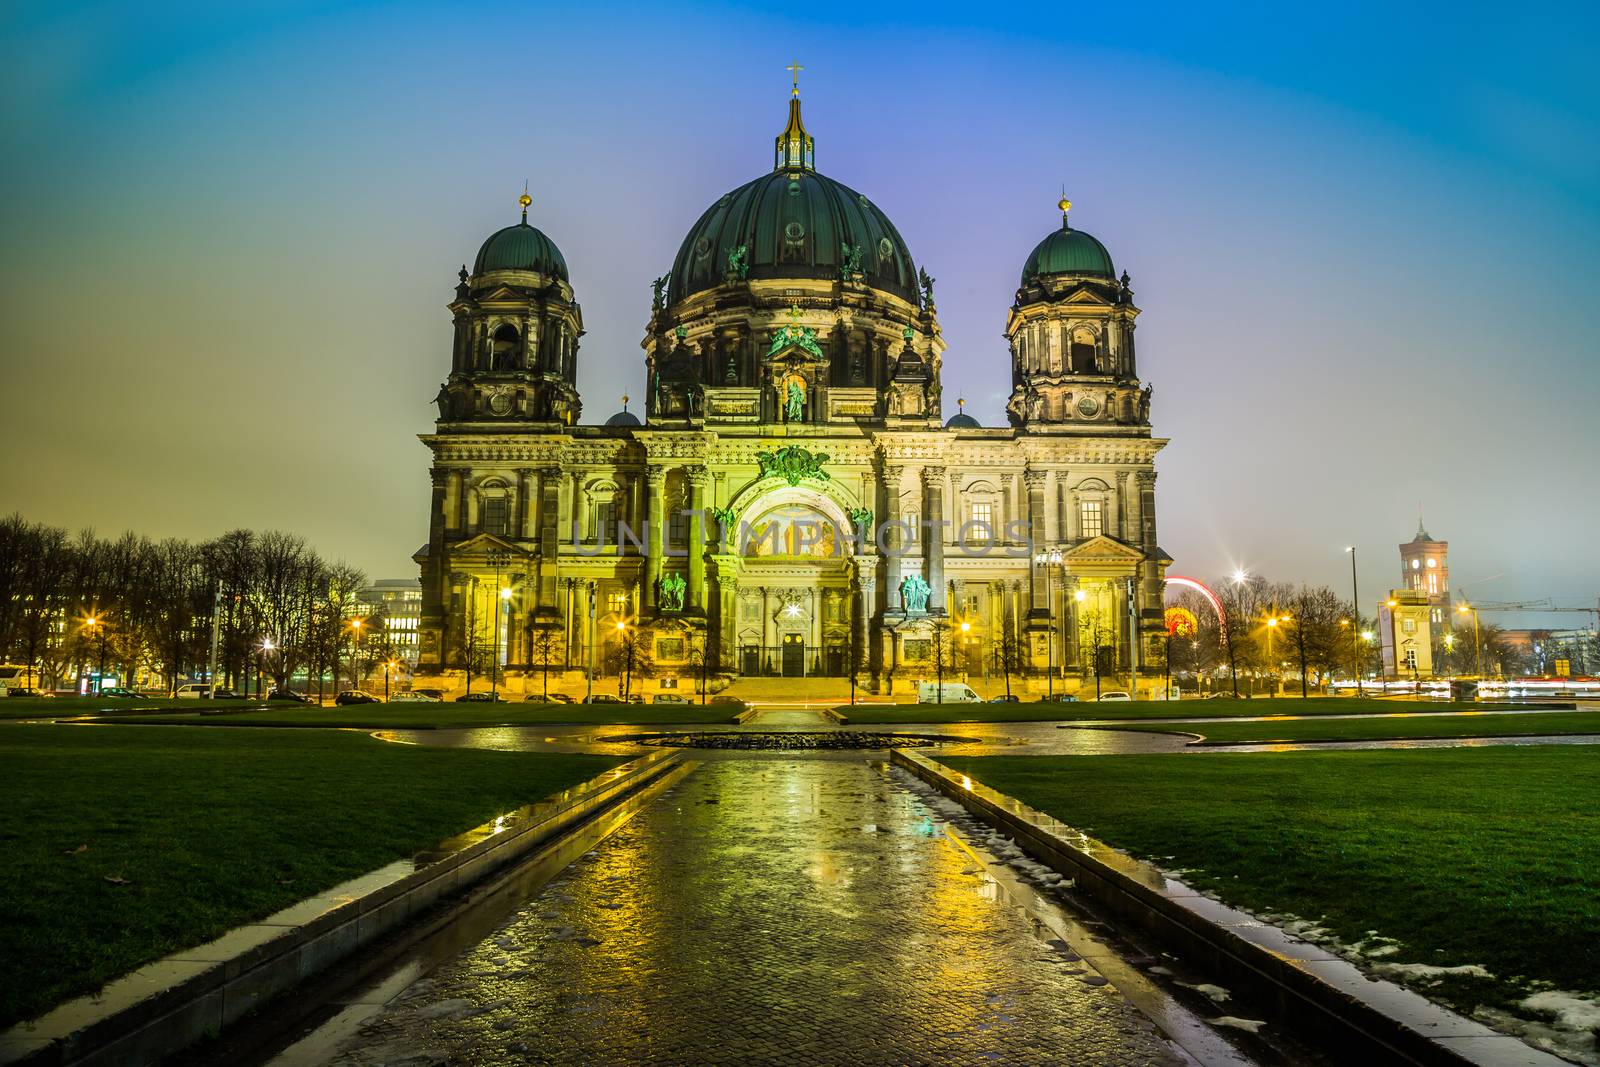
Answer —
1102 549
479 547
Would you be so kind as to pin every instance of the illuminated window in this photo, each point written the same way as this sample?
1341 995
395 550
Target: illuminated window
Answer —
1409 626
982 520
1091 519
1433 563
1415 564
1433 583
1411 659
912 519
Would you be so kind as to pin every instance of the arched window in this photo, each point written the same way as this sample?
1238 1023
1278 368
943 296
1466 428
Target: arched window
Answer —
494 508
506 343
1083 349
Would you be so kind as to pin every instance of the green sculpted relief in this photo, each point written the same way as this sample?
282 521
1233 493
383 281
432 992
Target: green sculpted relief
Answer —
739 263
727 518
861 517
793 463
795 336
673 587
914 591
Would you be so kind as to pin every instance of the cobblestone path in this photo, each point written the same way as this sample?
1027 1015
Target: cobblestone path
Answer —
807 911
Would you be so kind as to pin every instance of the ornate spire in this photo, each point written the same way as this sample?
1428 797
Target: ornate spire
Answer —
795 147
524 200
1065 205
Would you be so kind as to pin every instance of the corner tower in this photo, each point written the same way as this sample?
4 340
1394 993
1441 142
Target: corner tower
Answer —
1071 336
517 326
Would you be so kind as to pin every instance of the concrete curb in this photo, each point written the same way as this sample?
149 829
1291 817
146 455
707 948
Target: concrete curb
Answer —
1319 991
172 1003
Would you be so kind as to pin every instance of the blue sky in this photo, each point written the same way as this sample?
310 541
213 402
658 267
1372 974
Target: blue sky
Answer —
1363 238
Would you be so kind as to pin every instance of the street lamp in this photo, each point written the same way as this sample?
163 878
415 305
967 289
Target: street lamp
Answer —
267 645
624 662
1272 626
356 626
1240 576
1355 606
494 659
388 667
99 625
1477 642
1048 558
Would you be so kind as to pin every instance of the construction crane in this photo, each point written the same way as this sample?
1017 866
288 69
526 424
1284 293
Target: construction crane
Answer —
1544 604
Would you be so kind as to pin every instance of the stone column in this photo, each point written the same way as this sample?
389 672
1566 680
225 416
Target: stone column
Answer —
933 513
525 505
452 502
865 582
656 497
1039 589
894 538
549 530
697 538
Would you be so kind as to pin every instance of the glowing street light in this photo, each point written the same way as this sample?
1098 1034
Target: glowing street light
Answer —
98 624
1477 642
1355 606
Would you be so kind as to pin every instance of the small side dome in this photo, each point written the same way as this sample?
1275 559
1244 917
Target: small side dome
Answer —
1068 252
521 247
961 420
624 417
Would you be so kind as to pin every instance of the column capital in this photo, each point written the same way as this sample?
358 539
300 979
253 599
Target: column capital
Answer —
933 477
698 476
656 475
1034 479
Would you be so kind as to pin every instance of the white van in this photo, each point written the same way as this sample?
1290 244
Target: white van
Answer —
193 691
953 693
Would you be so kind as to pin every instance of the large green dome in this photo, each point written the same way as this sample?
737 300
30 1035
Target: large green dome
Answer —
1068 251
794 224
521 247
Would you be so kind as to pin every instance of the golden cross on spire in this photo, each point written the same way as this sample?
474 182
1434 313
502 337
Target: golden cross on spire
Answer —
794 68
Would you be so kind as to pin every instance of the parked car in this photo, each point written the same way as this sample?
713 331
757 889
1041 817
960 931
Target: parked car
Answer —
1063 699
481 698
947 693
557 698
634 698
288 696
197 691
668 698
415 696
118 693
355 696
437 694
1114 697
23 691
1005 698
601 698
727 700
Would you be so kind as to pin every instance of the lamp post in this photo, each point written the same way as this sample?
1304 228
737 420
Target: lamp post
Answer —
267 645
497 559
99 626
356 626
503 602
1239 578
1048 558
966 639
588 689
388 668
1272 625
1477 642
1355 606
625 664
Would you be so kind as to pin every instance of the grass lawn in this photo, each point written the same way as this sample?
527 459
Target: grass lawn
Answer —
66 707
1145 709
211 829
1377 729
450 715
1483 856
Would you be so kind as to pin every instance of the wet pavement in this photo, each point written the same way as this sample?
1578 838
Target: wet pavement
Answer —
769 910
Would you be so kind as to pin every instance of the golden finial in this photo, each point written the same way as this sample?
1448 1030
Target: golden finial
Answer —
624 401
1065 205
961 403
524 200
794 68
794 313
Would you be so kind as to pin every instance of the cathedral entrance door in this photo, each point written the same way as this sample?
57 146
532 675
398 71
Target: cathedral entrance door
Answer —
794 655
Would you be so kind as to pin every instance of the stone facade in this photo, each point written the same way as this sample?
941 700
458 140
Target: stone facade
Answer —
792 503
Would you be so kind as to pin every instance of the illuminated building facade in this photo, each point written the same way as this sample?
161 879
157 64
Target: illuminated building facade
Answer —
793 500
1406 635
1425 568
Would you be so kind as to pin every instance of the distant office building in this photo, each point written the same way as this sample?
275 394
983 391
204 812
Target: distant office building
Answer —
398 602
1404 627
1425 568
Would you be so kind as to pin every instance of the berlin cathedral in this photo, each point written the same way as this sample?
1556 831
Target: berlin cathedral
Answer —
792 500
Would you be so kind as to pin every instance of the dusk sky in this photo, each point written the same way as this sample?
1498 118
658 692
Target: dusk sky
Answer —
1365 239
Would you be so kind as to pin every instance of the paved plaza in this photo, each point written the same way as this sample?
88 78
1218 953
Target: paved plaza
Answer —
805 910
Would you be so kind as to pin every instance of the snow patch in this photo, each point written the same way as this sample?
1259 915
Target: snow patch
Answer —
1428 970
1252 1026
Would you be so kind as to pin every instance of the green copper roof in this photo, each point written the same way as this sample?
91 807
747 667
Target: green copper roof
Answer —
793 224
1068 251
521 247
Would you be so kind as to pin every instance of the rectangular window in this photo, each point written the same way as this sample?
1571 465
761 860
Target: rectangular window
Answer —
678 530
1433 583
916 650
669 648
1091 520
605 522
982 520
914 521
494 515
1409 626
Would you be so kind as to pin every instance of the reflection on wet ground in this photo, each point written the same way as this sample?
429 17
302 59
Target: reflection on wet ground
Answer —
788 910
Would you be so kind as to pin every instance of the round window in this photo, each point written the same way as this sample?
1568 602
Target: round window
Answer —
1088 406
